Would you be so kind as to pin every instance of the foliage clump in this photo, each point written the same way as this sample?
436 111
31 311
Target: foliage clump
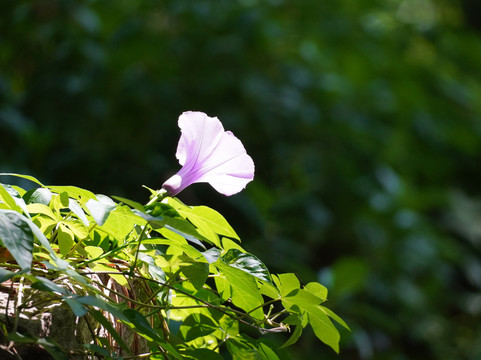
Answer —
175 274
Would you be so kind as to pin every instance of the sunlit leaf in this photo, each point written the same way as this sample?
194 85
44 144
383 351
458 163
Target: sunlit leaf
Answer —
211 255
301 297
121 221
77 228
35 208
228 244
248 263
40 196
269 289
245 293
131 203
336 317
7 198
28 177
215 220
286 283
100 209
94 251
77 210
101 267
317 289
324 330
74 192
203 225
65 238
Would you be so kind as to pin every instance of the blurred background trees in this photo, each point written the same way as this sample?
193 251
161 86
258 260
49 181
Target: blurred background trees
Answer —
363 119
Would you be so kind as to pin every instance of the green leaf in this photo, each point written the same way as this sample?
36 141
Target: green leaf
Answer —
223 287
203 225
244 348
228 244
122 221
157 222
17 237
53 349
245 293
197 325
229 326
215 221
117 310
20 338
142 327
336 317
269 289
152 191
301 298
119 278
77 210
94 251
7 275
100 351
97 315
318 319
19 191
196 273
241 351
100 209
19 243
211 255
7 198
41 209
19 201
79 230
77 308
40 196
317 289
74 192
65 238
64 199
44 284
286 283
171 235
202 354
59 263
324 329
296 321
28 177
185 229
266 349
248 263
162 209
131 203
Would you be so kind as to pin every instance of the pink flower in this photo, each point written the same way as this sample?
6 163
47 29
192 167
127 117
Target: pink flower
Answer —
209 154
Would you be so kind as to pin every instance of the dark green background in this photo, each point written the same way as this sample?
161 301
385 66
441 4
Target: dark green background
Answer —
363 119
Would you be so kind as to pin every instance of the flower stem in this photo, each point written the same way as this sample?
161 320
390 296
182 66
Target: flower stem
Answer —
159 195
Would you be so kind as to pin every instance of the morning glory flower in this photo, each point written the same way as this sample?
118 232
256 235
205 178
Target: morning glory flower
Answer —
209 154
